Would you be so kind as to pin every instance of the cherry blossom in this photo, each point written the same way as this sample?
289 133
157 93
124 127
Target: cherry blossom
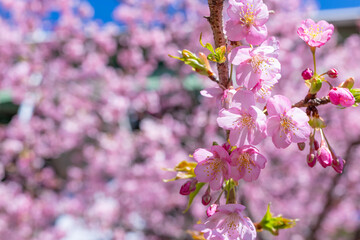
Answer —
228 223
246 122
213 166
246 163
254 64
285 124
247 21
315 34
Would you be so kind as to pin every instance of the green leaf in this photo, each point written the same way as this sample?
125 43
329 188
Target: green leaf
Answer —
274 224
193 195
207 46
356 93
184 170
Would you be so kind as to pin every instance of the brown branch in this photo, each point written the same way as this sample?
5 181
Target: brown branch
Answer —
330 198
216 22
312 102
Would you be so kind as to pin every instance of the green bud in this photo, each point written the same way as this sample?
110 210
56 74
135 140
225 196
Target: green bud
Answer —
199 64
348 83
317 122
315 85
274 224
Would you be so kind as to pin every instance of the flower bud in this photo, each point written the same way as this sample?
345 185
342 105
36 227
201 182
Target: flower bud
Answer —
324 156
332 73
188 187
317 122
301 146
341 96
348 83
206 198
315 85
307 74
338 164
311 159
211 210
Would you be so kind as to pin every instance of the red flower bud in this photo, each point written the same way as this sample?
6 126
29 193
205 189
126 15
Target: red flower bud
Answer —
307 74
301 146
206 198
332 73
311 160
188 187
338 164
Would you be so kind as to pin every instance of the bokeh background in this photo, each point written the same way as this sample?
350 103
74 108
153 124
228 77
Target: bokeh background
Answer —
92 109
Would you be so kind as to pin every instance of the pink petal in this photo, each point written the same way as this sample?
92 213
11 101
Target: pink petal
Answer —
217 181
234 30
202 154
298 116
228 118
243 99
235 174
246 76
260 160
278 105
222 153
273 125
251 173
239 55
262 15
202 172
281 140
212 92
256 35
301 133
238 136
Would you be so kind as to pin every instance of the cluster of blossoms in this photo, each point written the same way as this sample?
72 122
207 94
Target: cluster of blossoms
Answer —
248 113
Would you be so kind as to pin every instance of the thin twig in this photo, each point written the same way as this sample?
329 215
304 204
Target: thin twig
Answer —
216 22
312 102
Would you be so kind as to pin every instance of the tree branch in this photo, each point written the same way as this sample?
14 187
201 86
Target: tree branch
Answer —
216 22
312 102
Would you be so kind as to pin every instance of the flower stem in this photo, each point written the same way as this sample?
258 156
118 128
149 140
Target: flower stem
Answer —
313 49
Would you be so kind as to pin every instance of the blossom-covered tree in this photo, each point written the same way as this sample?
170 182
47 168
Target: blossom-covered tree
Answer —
91 113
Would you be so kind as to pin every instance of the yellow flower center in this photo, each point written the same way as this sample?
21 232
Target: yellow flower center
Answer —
247 15
314 31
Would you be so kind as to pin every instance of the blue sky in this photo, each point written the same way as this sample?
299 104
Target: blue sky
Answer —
331 4
103 9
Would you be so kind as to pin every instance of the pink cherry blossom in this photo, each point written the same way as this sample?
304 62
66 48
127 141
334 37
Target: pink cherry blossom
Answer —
246 163
285 124
315 34
247 21
228 223
341 96
213 166
258 63
246 122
